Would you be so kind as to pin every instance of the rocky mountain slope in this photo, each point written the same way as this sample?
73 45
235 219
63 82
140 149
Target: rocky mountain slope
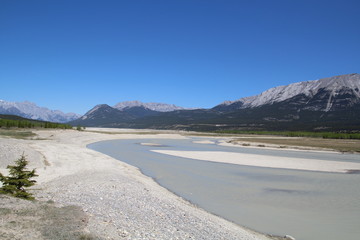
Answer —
32 111
103 115
158 107
327 94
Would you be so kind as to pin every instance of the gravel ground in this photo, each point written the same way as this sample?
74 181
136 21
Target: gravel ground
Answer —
120 202
12 149
125 208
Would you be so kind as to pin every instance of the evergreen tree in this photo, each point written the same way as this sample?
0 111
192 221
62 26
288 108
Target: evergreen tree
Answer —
19 178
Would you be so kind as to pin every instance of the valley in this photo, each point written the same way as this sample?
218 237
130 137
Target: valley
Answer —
325 105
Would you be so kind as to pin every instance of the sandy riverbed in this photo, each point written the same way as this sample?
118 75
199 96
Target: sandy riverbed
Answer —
120 201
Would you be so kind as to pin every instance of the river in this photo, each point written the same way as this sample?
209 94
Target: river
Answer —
304 204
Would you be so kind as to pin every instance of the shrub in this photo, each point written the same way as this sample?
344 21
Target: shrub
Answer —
19 178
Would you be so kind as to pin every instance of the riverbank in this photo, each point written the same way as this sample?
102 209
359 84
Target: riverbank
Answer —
121 203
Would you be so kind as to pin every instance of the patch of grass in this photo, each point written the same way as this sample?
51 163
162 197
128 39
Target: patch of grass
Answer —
5 211
63 223
326 135
341 145
46 162
42 220
86 236
207 134
18 134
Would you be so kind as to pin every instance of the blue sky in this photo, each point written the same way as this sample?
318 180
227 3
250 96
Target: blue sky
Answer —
71 54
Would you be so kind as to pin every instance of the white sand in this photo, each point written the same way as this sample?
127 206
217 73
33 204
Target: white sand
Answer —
150 144
204 142
121 202
265 161
256 145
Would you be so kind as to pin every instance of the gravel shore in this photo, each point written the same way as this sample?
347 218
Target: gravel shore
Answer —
120 202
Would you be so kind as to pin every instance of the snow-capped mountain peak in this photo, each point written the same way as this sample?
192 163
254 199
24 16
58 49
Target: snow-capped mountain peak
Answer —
31 110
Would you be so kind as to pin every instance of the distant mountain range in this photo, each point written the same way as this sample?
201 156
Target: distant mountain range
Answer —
128 111
326 104
158 107
32 111
133 109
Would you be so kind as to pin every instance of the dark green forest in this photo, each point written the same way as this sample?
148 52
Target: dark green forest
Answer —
11 121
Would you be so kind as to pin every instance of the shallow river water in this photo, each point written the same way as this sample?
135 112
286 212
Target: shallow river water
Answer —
306 205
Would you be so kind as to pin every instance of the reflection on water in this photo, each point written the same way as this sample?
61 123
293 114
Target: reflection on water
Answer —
287 191
306 205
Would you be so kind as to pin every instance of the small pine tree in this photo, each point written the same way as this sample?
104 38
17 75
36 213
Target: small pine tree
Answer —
19 178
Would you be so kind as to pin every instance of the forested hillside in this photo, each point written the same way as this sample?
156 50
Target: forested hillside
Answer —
12 121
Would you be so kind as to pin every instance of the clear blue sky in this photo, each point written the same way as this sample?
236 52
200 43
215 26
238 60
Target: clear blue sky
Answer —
71 54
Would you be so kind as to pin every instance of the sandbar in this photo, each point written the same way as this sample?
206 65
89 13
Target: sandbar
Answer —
204 142
258 160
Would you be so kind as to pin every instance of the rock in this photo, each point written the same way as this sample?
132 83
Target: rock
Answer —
289 237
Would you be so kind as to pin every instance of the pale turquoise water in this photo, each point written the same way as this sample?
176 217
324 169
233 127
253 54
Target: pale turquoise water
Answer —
306 205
